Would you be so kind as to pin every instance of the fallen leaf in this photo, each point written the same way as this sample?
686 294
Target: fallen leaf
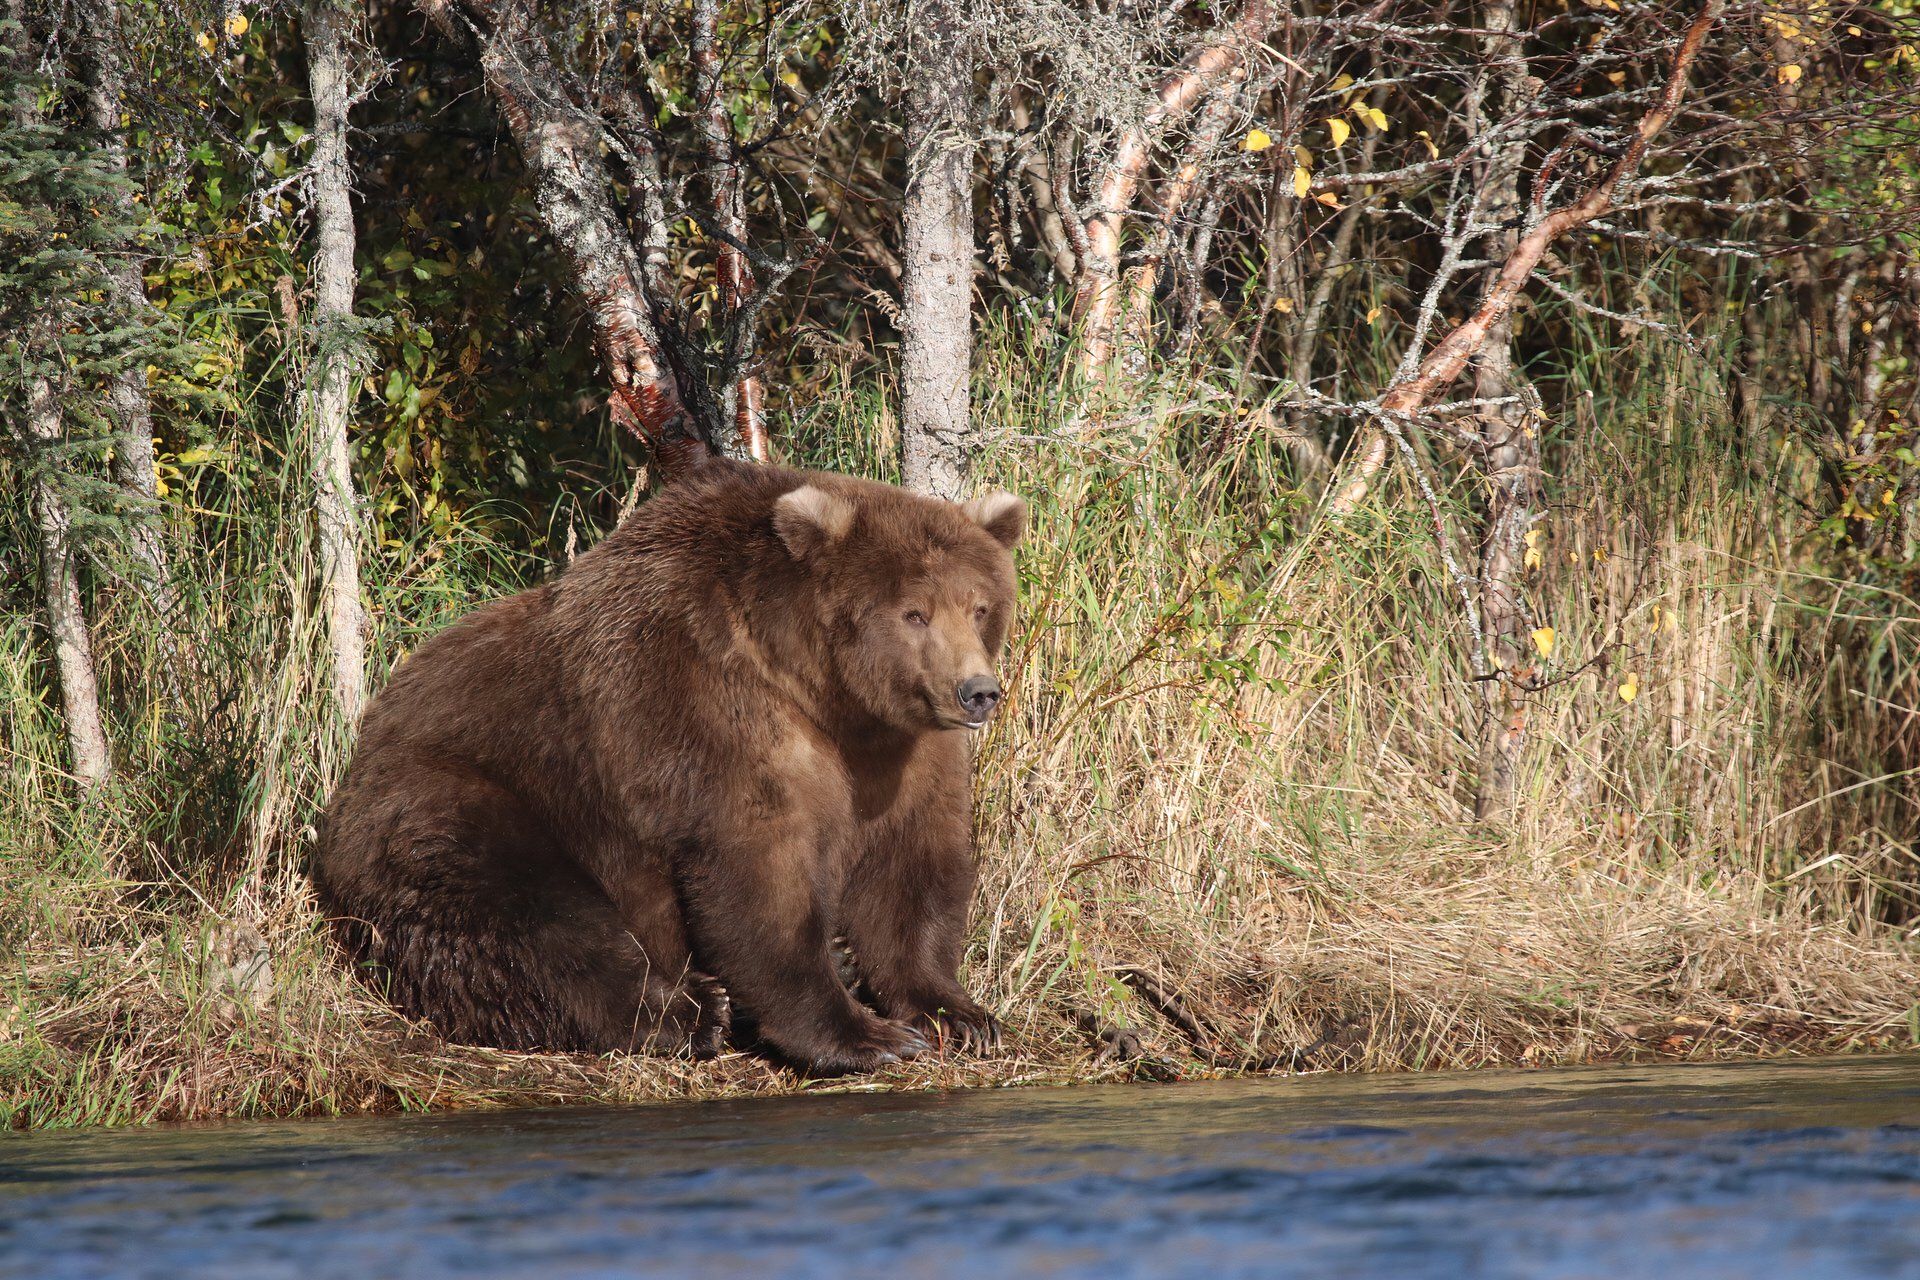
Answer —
1256 140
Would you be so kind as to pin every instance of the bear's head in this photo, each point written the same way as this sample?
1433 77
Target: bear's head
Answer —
916 595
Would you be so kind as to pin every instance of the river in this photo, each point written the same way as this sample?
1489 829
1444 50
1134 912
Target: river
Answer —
1774 1169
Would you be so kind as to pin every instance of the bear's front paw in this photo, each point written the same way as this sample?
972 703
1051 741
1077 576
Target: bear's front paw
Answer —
708 1038
877 1043
959 1022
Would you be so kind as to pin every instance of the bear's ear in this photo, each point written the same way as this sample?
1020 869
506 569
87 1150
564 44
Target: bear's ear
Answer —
808 519
1001 514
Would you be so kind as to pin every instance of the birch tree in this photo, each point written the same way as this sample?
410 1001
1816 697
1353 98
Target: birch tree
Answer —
582 113
327 399
127 397
936 288
47 262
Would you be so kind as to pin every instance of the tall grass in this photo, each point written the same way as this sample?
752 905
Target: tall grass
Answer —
1226 805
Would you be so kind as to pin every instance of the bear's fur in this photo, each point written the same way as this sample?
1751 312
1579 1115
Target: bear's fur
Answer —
605 813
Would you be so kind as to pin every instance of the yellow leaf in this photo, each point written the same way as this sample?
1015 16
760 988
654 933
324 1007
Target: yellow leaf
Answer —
1283 304
237 25
1373 314
1432 151
1340 129
1630 687
791 79
1328 199
1789 73
1302 182
205 41
1302 156
1256 140
1376 118
1616 77
1543 642
1534 557
1341 83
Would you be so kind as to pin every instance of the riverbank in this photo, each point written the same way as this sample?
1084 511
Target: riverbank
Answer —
1227 807
180 1021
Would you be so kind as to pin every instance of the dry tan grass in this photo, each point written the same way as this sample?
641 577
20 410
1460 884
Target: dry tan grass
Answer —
1223 820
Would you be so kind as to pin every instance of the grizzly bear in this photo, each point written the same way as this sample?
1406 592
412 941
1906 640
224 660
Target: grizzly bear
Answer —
614 811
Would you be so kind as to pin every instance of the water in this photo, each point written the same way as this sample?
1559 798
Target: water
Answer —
1785 1170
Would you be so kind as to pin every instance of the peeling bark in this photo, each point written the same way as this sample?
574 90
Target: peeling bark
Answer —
746 398
936 349
560 147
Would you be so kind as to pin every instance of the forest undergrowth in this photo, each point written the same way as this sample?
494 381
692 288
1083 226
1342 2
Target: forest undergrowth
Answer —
1224 820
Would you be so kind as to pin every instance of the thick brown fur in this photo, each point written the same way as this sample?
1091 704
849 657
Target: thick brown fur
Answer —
600 814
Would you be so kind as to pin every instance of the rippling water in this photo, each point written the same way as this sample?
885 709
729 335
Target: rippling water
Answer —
1783 1170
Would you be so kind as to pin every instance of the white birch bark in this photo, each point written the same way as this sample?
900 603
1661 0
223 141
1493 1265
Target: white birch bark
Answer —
328 396
936 350
128 402
66 616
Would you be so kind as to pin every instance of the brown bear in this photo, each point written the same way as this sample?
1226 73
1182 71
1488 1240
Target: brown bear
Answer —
610 812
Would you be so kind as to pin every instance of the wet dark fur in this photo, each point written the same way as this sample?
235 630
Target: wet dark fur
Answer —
589 816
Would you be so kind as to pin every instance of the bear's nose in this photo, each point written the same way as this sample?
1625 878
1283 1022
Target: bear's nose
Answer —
979 695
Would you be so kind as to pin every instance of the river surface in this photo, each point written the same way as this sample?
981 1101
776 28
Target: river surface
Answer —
1774 1170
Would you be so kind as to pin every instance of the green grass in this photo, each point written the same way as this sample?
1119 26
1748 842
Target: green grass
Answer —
1237 757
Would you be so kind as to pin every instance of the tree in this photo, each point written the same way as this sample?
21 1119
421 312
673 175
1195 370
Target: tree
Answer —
127 398
582 113
936 287
57 198
333 375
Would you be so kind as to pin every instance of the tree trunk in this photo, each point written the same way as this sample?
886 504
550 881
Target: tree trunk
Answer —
745 399
560 147
1509 449
60 576
59 564
331 378
936 350
1098 296
128 402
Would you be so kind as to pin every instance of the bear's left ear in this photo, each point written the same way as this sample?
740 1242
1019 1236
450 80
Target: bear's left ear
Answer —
1001 514
808 519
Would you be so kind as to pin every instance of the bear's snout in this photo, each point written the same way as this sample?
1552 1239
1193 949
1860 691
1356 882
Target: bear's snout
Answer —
979 695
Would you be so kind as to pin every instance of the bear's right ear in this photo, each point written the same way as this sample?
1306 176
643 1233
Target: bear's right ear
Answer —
808 519
1000 514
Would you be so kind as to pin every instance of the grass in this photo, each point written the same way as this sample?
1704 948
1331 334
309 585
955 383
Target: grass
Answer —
1223 819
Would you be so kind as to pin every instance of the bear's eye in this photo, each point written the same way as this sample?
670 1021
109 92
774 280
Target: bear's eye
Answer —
979 613
915 618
